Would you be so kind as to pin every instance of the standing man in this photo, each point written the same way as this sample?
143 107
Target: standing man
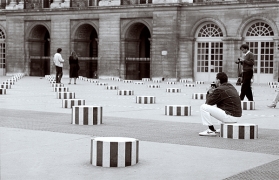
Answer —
58 61
228 103
247 72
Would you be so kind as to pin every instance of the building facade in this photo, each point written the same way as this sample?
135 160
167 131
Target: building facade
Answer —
136 39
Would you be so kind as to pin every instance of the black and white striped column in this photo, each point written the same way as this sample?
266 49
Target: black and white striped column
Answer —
157 80
2 91
69 103
153 86
239 131
171 82
65 95
8 82
272 83
145 79
57 85
125 92
102 84
145 99
87 115
93 81
199 82
138 82
173 90
183 81
248 105
199 96
190 85
178 110
114 151
60 89
273 86
6 86
112 87
127 81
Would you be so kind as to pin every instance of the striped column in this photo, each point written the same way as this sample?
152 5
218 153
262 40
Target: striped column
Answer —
199 96
145 79
61 89
9 82
273 86
65 95
190 85
118 79
178 110
2 91
173 90
69 103
93 81
153 86
272 83
248 105
6 86
145 99
87 115
125 92
183 80
239 131
114 151
157 80
138 82
199 82
172 79
57 85
128 81
112 87
171 82
102 84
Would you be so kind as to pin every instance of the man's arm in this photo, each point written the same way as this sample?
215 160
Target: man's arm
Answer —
213 98
249 59
60 58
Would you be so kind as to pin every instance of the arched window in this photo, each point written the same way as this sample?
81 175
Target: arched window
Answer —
260 29
2 35
210 30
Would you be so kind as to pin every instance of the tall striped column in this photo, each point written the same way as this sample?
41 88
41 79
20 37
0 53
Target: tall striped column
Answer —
153 86
173 90
2 91
87 115
239 131
125 92
69 103
199 96
145 99
60 89
114 151
248 105
65 95
178 110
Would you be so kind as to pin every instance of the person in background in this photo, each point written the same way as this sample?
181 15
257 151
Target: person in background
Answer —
58 61
74 67
228 105
275 100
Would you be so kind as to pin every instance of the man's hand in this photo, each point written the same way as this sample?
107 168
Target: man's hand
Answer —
210 90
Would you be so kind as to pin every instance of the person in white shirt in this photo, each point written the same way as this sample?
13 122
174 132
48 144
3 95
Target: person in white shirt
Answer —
58 61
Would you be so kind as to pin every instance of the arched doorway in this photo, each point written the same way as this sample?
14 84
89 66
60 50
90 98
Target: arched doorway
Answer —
137 52
39 51
208 52
85 44
2 53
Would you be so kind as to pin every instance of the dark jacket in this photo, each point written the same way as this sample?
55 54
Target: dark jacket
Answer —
226 98
248 62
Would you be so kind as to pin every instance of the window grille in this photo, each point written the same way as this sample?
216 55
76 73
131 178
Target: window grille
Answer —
210 30
260 29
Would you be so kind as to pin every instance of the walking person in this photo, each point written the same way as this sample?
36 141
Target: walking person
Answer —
275 100
228 105
58 61
74 67
247 63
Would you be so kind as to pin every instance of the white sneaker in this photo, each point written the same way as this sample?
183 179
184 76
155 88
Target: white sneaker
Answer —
207 132
217 131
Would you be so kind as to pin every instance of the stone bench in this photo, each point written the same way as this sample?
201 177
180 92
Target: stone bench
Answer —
178 110
125 92
248 105
69 103
199 96
239 131
87 115
153 86
114 151
2 91
112 87
60 89
65 95
173 90
6 86
145 99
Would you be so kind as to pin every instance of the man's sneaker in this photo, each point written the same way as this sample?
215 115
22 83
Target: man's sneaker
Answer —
207 132
217 131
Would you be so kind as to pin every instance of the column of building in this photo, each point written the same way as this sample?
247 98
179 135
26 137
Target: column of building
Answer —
276 59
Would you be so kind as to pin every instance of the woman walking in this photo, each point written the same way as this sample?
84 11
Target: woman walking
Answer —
74 66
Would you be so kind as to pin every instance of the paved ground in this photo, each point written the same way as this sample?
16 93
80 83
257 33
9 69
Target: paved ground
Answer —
38 140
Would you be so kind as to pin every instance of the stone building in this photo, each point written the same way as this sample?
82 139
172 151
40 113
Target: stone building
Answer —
134 39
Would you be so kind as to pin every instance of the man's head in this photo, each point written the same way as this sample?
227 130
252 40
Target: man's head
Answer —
244 48
221 78
59 50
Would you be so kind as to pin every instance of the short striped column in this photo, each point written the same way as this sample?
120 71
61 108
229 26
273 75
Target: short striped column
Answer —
9 82
127 81
178 110
183 81
173 90
239 131
145 99
157 80
272 83
60 89
145 79
114 151
6 86
125 92
87 115
248 105
199 96
273 86
153 86
93 81
69 103
2 91
65 95
102 84
172 79
112 87
199 82
139 83
171 82
57 85
117 79
190 85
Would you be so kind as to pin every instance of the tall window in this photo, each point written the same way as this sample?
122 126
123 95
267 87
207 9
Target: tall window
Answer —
2 52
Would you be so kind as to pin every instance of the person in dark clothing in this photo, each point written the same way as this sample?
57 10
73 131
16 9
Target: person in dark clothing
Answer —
74 67
228 103
247 72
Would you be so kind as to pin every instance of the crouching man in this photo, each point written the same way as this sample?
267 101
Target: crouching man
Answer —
228 105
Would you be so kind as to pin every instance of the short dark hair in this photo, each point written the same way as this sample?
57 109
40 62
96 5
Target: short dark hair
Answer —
59 50
244 46
222 77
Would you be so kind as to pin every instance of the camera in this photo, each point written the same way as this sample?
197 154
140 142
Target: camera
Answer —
237 62
213 85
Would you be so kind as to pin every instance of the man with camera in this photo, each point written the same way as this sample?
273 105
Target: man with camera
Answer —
247 72
228 105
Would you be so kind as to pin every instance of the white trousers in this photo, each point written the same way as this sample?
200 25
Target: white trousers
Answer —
213 115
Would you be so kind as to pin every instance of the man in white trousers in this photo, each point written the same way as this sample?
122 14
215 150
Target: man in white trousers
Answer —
222 103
